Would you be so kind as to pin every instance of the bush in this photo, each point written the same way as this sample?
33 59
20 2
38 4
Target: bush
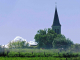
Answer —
13 54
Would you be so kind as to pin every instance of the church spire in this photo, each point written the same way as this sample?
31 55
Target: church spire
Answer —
56 18
56 26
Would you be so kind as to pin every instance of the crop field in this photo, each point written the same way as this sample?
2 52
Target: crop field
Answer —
39 54
50 51
38 58
35 50
38 50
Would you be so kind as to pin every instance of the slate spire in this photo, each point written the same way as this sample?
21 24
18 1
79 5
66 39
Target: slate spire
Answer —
56 26
56 18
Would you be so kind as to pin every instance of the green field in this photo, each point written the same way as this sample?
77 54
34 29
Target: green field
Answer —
37 58
37 54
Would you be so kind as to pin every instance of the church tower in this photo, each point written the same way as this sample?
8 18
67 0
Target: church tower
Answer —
56 26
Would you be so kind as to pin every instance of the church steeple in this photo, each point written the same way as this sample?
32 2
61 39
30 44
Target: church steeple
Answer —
56 18
56 26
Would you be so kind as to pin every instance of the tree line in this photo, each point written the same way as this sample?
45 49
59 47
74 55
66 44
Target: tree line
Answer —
47 39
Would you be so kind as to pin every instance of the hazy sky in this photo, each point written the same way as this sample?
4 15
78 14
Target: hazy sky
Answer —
25 17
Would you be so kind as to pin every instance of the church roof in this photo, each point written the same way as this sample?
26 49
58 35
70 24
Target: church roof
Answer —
56 19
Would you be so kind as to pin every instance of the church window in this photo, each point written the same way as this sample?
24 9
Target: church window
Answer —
57 31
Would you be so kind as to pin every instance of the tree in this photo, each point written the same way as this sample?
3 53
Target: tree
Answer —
61 42
24 44
75 47
0 49
45 37
18 44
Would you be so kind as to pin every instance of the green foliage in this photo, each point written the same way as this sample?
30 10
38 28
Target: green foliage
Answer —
61 42
38 58
13 54
40 53
23 54
18 44
75 47
45 37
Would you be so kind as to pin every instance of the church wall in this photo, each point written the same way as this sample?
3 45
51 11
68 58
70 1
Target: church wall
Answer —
57 27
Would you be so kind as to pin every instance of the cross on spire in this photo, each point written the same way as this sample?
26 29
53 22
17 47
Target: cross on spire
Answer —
56 4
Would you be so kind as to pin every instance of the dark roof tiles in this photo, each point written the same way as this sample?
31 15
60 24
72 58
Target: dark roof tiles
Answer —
56 19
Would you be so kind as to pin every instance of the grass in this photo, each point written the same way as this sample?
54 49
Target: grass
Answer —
39 51
35 50
37 58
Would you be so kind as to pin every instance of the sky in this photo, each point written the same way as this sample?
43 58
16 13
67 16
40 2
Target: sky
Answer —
25 17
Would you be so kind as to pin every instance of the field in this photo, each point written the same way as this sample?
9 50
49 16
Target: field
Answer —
39 54
37 58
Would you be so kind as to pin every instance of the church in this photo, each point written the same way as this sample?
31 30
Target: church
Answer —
56 26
